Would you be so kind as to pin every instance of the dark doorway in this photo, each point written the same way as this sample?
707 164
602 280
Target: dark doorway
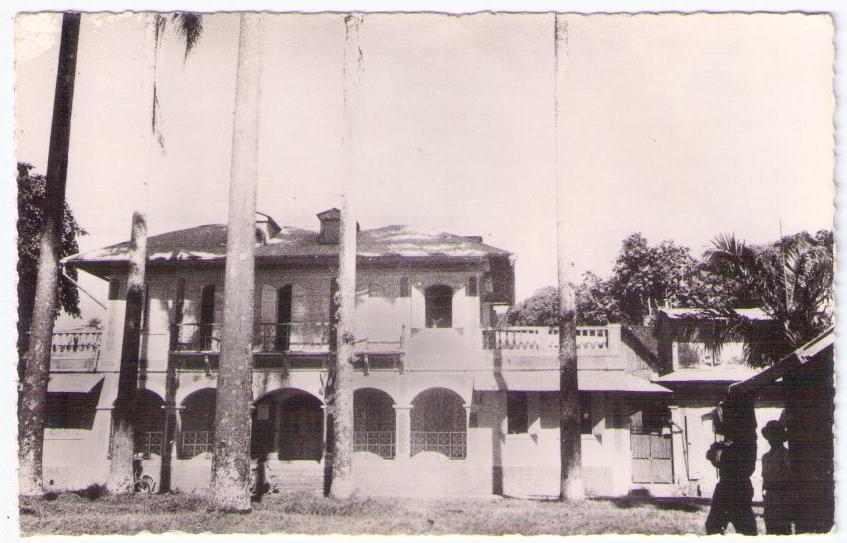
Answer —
301 428
439 306
283 319
207 317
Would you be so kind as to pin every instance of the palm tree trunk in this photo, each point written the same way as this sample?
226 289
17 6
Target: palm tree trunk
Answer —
122 445
33 391
569 420
231 463
341 400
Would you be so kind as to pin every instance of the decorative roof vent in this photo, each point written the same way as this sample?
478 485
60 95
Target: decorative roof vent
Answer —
266 227
330 226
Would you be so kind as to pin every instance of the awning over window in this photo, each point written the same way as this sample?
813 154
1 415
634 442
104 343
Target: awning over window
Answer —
73 382
548 381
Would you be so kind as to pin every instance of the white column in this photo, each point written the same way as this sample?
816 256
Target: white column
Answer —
403 428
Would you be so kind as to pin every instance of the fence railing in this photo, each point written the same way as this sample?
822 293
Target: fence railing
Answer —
451 444
149 443
76 342
380 443
192 443
267 337
543 338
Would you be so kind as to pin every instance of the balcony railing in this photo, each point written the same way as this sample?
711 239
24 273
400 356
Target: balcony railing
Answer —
543 338
76 342
453 445
267 337
380 443
75 351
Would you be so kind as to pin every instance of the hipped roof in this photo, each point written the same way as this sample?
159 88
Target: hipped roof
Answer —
208 243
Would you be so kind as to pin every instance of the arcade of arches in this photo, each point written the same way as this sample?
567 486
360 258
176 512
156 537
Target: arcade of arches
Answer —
289 424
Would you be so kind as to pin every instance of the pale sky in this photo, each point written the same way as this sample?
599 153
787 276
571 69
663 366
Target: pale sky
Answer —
680 127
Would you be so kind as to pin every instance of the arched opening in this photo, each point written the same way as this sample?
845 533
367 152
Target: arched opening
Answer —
374 423
149 424
206 325
197 432
290 423
438 423
439 306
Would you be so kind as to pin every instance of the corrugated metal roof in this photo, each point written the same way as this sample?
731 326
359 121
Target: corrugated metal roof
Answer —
208 242
79 383
718 374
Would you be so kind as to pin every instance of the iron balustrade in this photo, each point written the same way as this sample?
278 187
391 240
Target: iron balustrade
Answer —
282 337
192 443
453 445
268 337
380 443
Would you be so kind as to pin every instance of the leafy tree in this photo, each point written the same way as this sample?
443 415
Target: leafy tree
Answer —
31 221
595 305
646 278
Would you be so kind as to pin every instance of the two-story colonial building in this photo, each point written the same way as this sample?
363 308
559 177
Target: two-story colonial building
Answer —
445 403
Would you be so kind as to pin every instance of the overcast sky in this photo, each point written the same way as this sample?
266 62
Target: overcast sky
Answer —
680 127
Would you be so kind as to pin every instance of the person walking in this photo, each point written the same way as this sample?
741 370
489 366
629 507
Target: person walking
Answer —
735 459
776 476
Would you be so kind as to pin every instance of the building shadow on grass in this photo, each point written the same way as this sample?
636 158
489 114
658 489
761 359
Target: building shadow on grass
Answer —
640 498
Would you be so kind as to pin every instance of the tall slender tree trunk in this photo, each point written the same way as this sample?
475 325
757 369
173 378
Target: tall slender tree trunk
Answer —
231 463
33 390
569 420
341 400
122 445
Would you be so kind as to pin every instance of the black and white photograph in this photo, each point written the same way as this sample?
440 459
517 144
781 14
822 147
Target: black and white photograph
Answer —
354 272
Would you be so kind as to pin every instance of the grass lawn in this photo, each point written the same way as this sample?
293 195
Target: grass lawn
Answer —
287 513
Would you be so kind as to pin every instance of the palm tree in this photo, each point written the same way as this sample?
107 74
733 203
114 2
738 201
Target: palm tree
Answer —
340 389
122 444
231 462
33 392
569 422
790 280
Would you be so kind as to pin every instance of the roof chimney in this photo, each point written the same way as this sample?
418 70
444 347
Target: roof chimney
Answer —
266 227
330 226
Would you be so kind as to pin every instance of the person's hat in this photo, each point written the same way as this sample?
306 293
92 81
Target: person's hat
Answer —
774 431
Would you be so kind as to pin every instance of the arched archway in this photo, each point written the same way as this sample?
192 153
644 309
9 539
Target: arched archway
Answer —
290 423
439 306
149 424
197 428
374 422
438 423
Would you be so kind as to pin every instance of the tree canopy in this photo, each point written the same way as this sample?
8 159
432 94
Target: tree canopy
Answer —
31 218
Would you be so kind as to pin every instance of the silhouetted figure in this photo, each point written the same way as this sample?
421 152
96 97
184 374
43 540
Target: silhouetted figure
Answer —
735 458
776 477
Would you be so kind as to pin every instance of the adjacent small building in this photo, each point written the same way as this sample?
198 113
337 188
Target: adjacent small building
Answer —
700 373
